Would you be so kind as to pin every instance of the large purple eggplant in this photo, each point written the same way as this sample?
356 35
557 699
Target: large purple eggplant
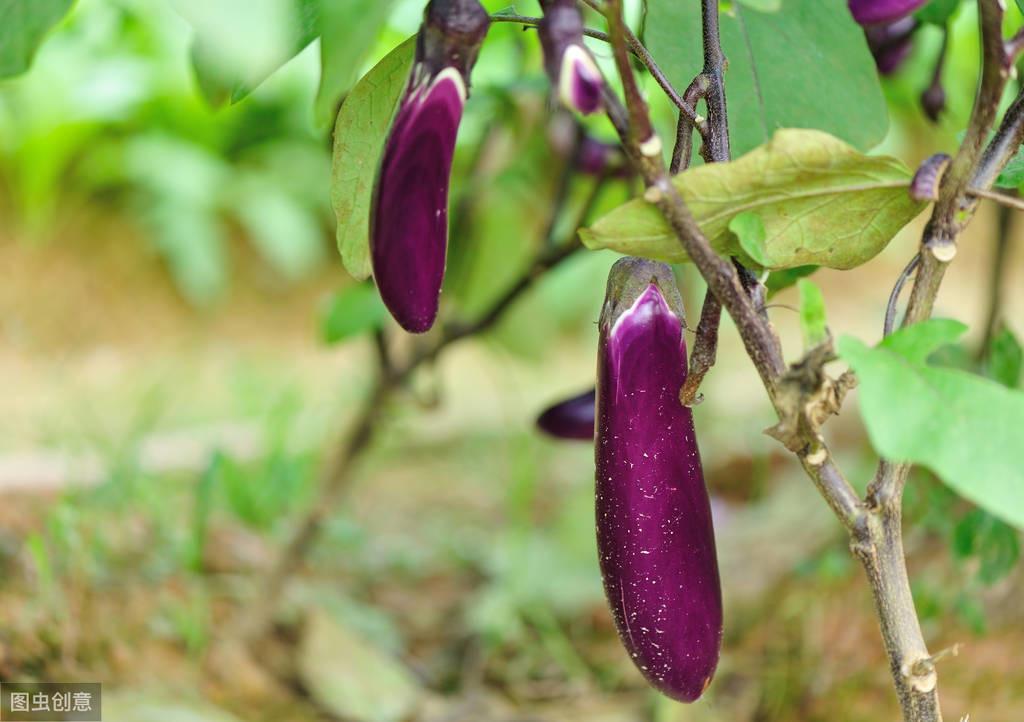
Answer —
655 539
409 214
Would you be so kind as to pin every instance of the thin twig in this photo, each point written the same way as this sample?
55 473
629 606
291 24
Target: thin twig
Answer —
1004 199
532 22
705 350
683 149
894 296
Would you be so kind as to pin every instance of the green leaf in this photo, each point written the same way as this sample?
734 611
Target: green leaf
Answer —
349 31
23 24
359 136
240 43
287 234
1013 174
963 427
812 314
821 202
1005 359
805 66
781 280
764 6
750 231
355 310
938 12
995 543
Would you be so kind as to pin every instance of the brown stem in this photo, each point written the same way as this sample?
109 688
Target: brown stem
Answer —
705 350
684 130
880 549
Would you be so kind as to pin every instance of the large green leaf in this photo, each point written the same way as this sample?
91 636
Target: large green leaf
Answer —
359 136
23 23
805 66
240 43
965 428
820 201
349 30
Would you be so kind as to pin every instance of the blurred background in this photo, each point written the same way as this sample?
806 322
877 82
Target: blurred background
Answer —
178 354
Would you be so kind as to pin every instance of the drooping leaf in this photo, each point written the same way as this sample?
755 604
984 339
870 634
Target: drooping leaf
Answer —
23 24
821 202
812 314
359 136
240 43
805 66
348 32
1005 359
965 428
353 311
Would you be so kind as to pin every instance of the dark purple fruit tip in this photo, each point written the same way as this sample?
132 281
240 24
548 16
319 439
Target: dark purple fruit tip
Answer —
569 64
874 12
409 213
571 419
933 101
891 44
655 537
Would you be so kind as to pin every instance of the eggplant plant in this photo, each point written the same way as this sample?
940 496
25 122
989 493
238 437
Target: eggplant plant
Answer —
768 175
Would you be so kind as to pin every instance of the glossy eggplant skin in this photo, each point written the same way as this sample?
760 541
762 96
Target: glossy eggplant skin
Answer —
655 538
571 419
409 211
873 12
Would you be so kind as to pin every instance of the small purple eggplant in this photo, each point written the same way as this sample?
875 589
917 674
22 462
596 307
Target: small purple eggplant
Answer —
891 43
409 213
570 419
569 65
874 12
655 539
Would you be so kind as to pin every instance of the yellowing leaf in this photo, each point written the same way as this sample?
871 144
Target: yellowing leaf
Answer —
359 136
821 203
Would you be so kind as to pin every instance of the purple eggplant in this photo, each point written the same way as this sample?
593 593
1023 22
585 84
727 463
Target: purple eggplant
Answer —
891 43
874 12
409 213
568 63
570 419
655 538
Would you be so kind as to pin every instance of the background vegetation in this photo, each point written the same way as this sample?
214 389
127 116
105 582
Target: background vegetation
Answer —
178 350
